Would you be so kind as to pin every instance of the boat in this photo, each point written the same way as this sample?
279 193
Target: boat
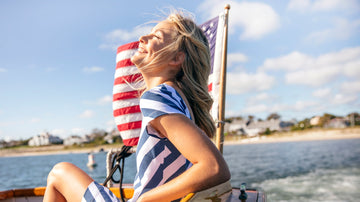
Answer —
37 194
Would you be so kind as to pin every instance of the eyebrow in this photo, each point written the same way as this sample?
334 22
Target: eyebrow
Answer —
157 30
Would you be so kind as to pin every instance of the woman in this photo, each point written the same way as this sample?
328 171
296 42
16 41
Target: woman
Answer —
175 155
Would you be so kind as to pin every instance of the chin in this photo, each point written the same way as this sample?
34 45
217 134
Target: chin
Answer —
135 59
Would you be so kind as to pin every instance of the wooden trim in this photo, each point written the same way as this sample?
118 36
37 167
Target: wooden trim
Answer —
38 191
127 192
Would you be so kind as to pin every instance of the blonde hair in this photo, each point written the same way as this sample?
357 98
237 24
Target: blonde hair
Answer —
192 79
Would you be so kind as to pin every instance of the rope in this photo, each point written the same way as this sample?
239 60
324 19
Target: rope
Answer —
118 162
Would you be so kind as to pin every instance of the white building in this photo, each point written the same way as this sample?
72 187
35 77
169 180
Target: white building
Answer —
74 139
314 121
254 128
44 139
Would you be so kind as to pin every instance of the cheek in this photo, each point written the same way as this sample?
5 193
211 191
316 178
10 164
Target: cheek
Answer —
154 47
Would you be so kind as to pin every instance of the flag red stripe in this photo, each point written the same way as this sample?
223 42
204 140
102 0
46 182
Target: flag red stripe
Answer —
127 110
126 95
129 126
131 141
210 87
124 63
129 78
128 46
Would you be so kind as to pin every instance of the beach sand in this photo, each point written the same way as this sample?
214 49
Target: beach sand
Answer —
308 135
52 150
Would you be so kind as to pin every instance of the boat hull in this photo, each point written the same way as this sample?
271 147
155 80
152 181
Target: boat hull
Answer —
37 194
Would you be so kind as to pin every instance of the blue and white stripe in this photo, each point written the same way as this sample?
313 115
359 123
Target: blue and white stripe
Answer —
158 160
98 193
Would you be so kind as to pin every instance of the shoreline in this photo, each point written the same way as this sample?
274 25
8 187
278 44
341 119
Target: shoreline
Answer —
308 135
296 136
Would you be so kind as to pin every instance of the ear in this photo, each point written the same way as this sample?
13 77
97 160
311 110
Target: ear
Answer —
178 59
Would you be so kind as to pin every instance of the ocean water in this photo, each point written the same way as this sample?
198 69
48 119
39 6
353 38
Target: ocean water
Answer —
288 171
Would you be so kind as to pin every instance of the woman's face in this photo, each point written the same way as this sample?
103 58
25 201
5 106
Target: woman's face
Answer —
160 36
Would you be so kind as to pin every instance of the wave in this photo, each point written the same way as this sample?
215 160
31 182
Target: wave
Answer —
320 185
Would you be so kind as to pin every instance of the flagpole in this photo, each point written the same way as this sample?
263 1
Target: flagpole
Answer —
222 91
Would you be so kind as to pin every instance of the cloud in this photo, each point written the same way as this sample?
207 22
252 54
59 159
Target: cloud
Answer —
304 105
93 69
261 98
105 100
110 125
254 18
323 5
3 70
342 30
253 109
238 83
118 37
299 5
234 58
292 61
50 69
87 114
350 87
59 132
35 120
352 69
322 93
313 77
304 69
341 99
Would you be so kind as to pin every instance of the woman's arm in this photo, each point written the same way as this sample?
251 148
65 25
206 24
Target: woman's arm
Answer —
209 167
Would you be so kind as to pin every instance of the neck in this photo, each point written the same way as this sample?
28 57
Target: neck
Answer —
156 77
151 81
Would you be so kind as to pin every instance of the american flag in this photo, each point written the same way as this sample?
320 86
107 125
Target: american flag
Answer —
126 108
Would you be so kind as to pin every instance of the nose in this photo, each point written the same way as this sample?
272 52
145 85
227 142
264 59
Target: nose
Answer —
143 39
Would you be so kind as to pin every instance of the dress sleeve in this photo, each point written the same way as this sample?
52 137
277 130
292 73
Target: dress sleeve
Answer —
162 100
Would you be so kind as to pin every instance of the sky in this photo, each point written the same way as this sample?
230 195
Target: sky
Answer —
296 58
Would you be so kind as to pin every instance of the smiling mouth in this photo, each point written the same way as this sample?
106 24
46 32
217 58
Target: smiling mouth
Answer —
141 50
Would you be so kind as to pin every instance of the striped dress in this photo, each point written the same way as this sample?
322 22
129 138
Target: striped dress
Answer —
158 161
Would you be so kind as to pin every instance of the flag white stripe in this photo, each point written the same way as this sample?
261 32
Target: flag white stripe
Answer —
126 118
128 134
124 87
125 71
126 54
125 103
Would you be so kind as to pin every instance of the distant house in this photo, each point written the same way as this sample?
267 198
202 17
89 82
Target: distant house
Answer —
315 121
44 139
2 144
261 126
254 128
236 126
76 140
112 136
337 123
